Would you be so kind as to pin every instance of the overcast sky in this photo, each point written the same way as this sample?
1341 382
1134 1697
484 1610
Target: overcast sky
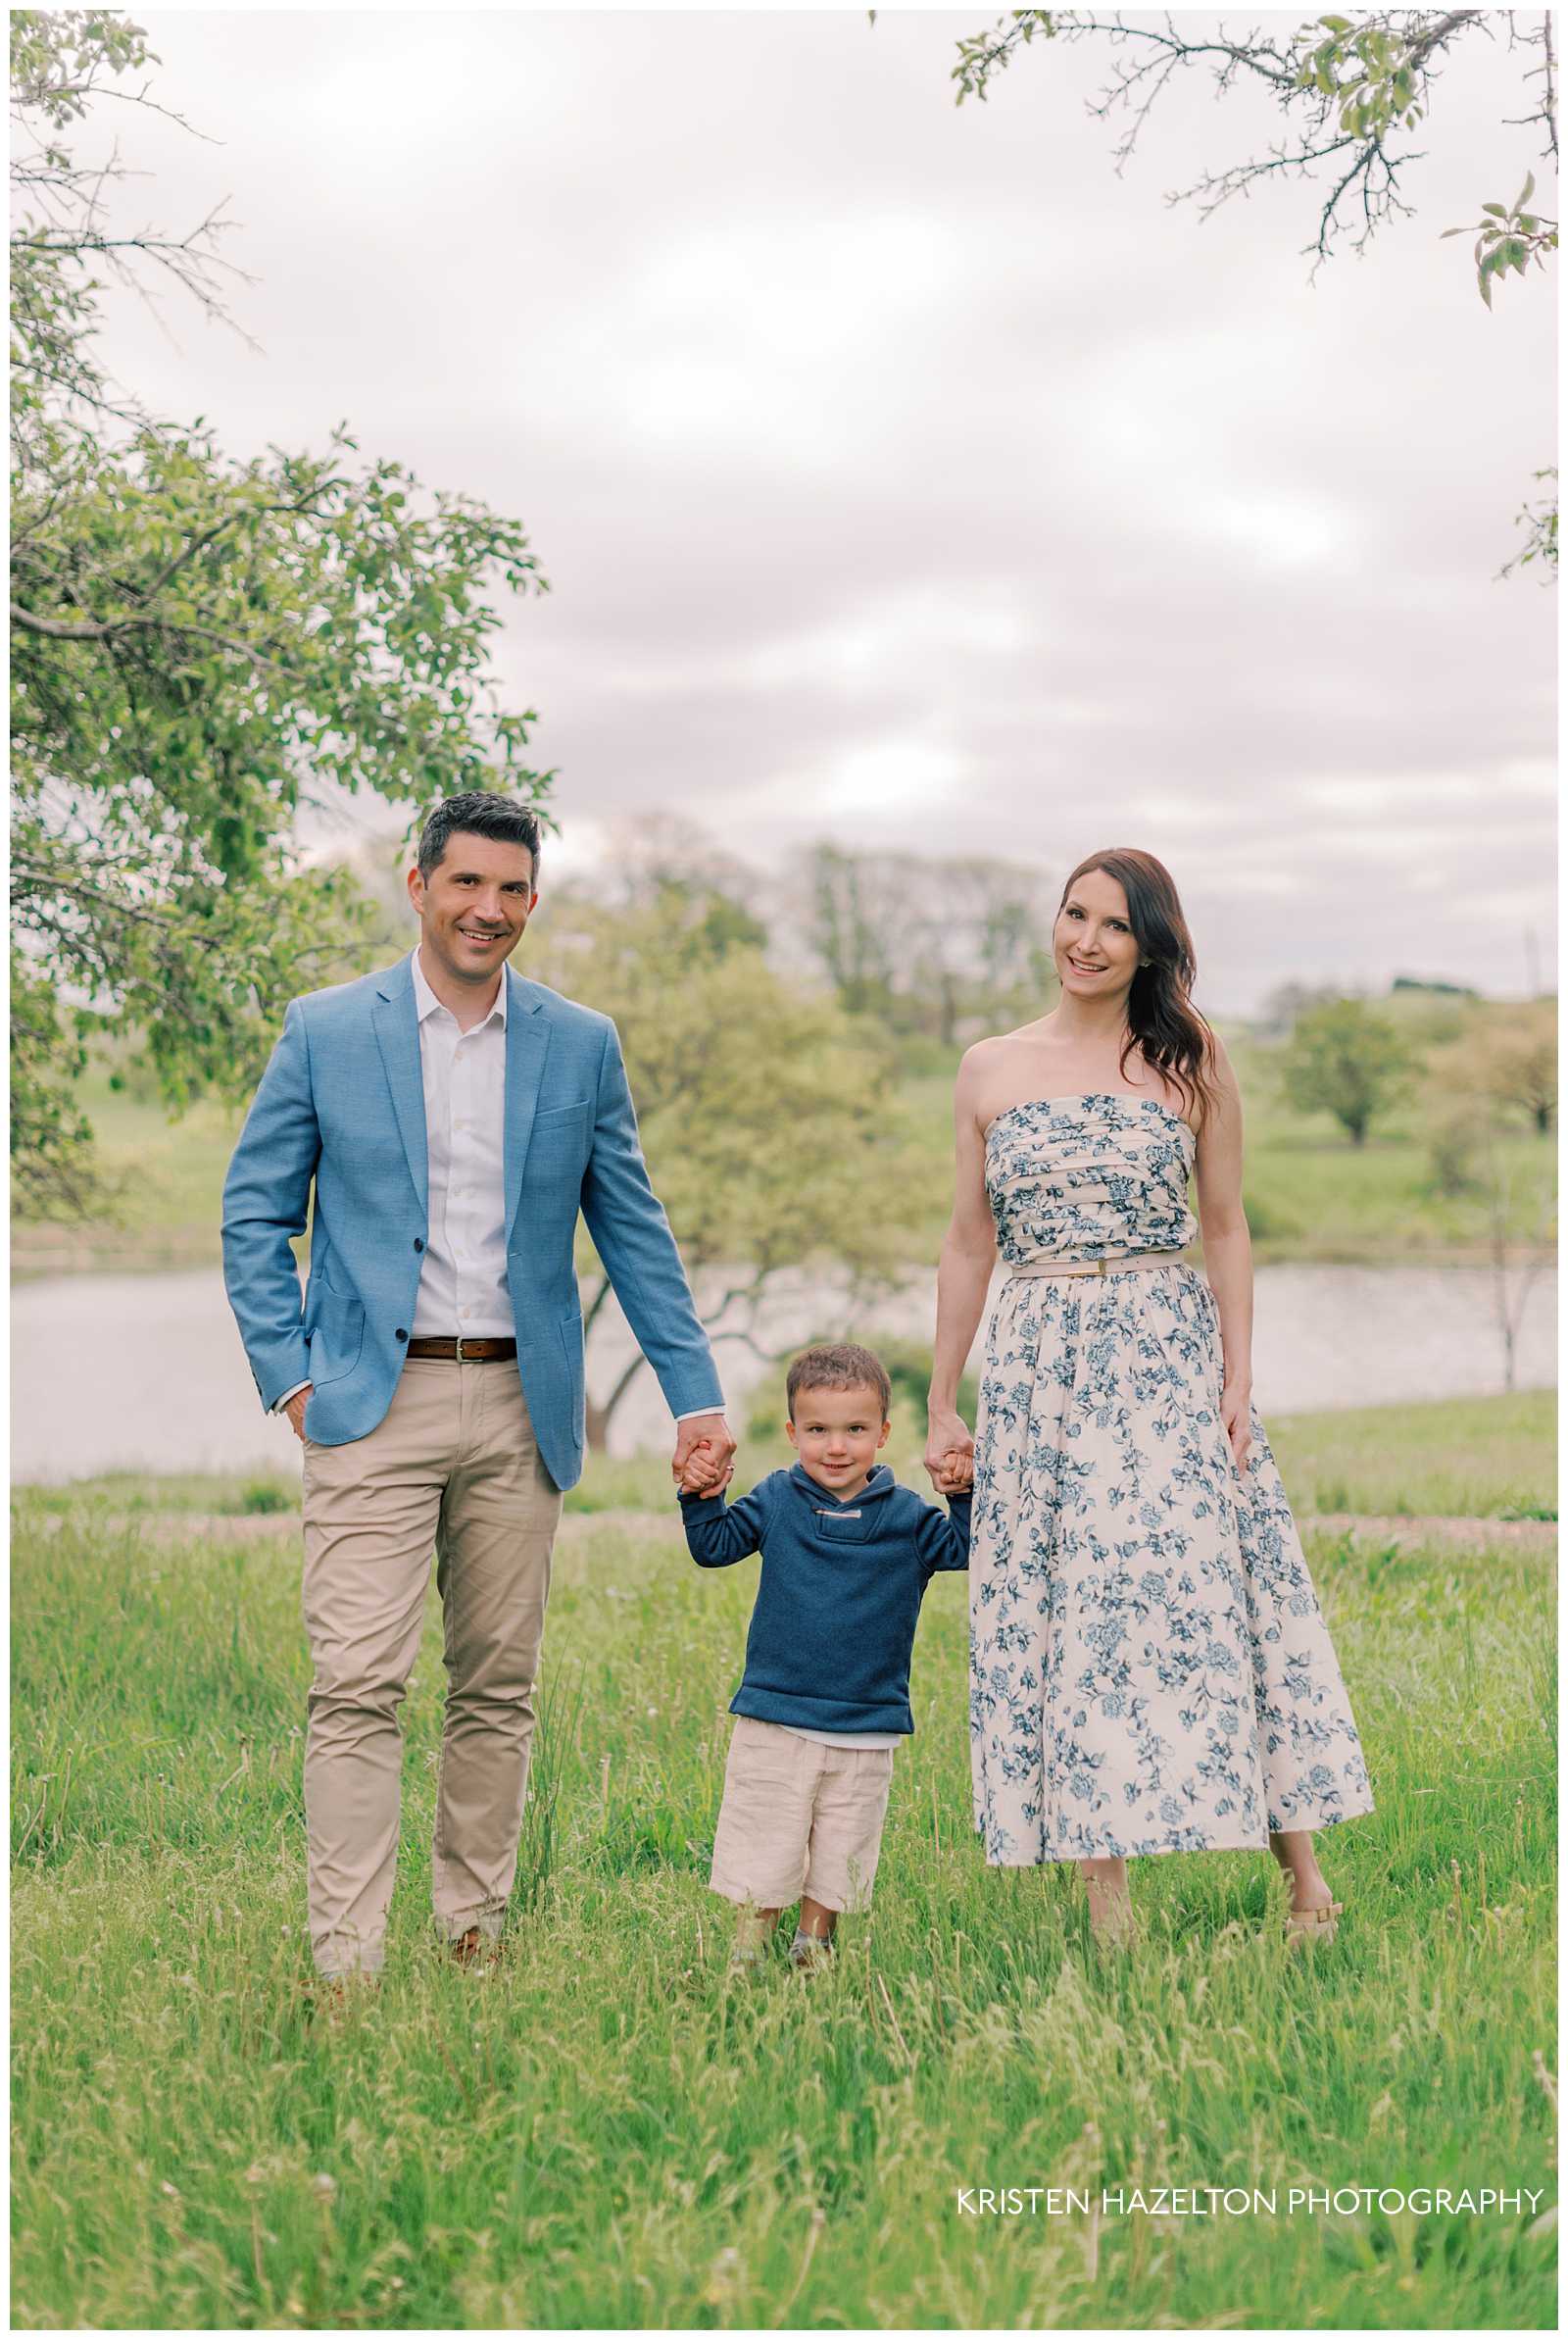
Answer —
900 474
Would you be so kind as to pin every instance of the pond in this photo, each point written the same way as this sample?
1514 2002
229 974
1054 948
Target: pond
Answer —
146 1374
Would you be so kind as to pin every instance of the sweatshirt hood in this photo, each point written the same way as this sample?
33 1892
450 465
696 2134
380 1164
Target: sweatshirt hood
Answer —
878 1486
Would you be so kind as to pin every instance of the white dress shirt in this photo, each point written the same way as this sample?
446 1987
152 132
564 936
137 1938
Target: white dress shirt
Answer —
463 1273
463 1276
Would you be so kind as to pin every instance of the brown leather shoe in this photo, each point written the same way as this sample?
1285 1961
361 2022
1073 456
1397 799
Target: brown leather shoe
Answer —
477 1950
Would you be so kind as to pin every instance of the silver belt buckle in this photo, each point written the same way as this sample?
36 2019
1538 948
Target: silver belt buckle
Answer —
462 1360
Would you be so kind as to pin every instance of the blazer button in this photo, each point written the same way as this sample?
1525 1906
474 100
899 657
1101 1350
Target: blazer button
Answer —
400 1334
418 1243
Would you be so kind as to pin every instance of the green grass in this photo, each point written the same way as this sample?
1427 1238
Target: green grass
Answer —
1469 1458
1472 1458
170 1181
125 1493
610 2132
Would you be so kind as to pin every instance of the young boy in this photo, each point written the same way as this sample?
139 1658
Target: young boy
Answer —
847 1556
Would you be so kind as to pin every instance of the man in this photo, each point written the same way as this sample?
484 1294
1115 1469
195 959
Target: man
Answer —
455 1119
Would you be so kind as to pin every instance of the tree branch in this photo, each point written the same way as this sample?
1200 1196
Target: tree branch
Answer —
622 1386
50 881
104 630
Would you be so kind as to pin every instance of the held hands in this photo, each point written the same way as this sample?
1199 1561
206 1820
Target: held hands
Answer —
704 1473
295 1409
950 1454
704 1461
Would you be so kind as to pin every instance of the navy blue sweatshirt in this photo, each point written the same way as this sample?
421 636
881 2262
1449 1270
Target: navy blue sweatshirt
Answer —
838 1593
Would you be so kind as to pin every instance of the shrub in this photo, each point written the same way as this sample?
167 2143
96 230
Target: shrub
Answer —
265 1495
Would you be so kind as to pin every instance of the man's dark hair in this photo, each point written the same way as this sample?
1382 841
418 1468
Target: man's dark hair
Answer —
477 814
843 1365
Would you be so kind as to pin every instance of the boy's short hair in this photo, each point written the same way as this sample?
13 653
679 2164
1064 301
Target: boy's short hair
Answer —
843 1365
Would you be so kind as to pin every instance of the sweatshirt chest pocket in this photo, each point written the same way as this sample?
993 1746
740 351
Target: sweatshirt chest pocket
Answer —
842 1528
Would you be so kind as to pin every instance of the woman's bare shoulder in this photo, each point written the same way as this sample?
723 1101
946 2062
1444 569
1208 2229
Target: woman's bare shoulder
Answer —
997 1047
1221 1070
981 1078
986 1061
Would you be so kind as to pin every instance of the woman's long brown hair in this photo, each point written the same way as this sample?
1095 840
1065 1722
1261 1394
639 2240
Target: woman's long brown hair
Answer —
1162 1022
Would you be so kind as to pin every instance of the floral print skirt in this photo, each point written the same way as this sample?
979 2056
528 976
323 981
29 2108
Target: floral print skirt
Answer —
1149 1668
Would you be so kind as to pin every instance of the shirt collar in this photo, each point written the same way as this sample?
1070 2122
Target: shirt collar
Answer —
426 1002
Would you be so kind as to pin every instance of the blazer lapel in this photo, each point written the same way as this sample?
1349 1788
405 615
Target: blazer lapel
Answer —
527 1045
397 1036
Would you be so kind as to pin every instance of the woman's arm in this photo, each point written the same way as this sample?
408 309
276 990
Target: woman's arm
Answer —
1228 1250
963 1273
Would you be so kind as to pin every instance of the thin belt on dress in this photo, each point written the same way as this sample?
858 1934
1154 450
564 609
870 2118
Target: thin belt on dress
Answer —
1142 1259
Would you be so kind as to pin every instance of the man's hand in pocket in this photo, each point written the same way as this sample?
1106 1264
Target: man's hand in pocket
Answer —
295 1409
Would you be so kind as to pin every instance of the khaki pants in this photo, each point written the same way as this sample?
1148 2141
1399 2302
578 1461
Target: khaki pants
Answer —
454 1467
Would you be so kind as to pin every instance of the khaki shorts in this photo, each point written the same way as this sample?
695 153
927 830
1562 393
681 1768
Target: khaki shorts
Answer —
799 1816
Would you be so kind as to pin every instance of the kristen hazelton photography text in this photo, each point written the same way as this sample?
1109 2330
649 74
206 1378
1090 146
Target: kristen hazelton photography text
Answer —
783 1291
1241 2201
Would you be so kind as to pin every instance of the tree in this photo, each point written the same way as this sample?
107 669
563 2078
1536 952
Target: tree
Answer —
1345 1060
1509 1201
767 1115
856 911
1353 94
983 950
1509 1058
931 945
198 647
1284 1005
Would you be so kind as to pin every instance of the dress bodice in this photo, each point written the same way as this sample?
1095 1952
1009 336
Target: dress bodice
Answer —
1090 1177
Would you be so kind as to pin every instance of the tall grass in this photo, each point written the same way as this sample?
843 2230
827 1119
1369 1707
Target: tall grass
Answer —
611 2132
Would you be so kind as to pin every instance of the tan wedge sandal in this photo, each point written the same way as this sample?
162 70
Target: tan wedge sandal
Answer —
1313 1925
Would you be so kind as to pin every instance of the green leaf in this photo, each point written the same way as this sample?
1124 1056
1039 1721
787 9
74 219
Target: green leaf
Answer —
1496 210
1526 191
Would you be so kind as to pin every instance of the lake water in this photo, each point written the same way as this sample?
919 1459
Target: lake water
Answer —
114 1372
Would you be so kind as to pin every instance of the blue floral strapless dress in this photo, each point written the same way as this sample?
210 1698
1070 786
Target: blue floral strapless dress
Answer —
1149 1668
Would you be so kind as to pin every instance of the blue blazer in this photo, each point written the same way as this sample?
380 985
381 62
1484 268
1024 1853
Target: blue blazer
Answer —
342 1102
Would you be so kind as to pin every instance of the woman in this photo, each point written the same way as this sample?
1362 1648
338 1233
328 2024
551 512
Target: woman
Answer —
1150 1672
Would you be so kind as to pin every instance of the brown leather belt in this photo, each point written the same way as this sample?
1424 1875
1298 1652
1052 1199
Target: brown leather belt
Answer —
462 1351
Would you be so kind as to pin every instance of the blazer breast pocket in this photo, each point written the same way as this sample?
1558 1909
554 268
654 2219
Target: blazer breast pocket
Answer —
562 1135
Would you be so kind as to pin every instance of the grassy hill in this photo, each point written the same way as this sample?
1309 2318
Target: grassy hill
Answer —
1310 1194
